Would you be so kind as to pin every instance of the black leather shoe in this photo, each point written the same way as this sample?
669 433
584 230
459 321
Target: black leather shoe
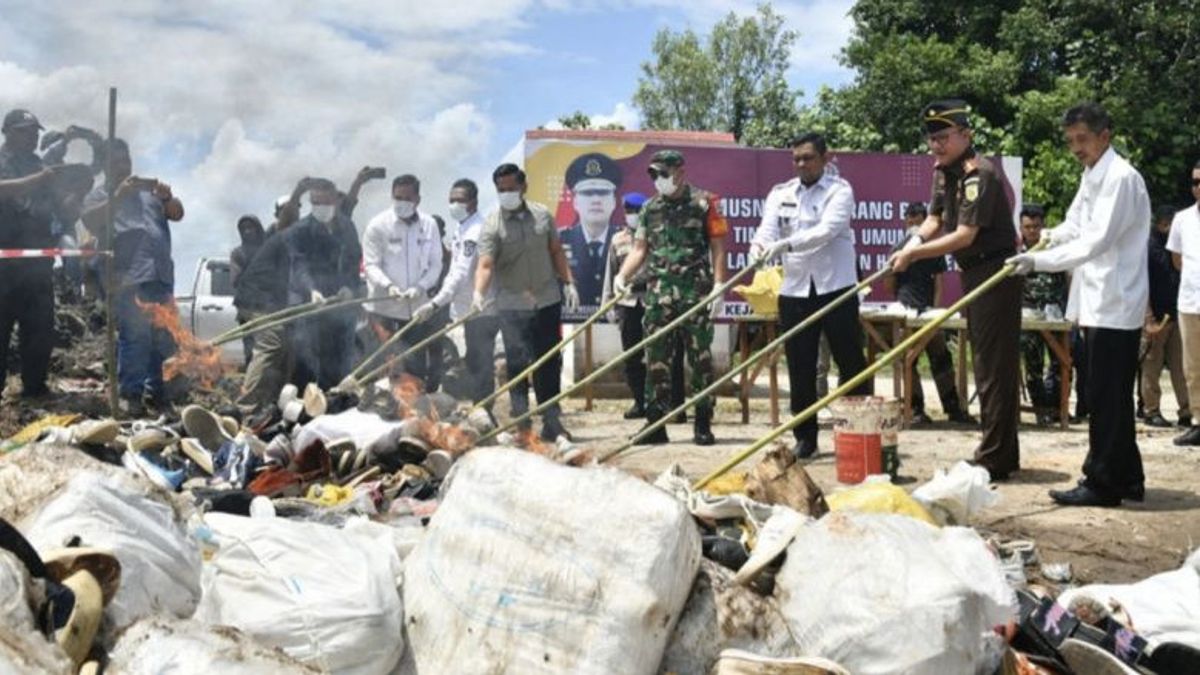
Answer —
1083 495
659 436
805 449
702 429
1190 437
959 417
636 411
1156 420
1185 421
1134 493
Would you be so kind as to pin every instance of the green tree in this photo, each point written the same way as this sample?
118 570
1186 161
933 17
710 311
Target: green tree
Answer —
731 80
580 120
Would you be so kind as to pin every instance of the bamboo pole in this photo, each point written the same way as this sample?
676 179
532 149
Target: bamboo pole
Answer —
387 344
311 309
766 350
899 350
580 330
378 372
717 292
110 270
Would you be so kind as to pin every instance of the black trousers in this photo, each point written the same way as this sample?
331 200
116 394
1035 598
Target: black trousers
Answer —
994 328
27 301
845 337
1113 462
436 351
632 332
527 336
420 364
481 355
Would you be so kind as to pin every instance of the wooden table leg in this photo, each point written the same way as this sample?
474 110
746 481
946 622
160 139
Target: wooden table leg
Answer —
773 376
1062 350
587 367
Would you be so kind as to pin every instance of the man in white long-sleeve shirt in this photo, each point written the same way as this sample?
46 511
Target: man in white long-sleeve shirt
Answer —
458 288
807 221
402 255
1103 240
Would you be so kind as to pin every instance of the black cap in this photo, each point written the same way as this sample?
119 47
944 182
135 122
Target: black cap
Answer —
15 119
592 166
946 113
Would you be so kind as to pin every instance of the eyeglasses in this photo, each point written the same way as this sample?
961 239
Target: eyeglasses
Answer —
657 173
597 192
940 137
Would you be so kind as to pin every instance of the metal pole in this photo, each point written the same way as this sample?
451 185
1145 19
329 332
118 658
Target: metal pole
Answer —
110 272
378 372
869 371
748 362
512 381
620 358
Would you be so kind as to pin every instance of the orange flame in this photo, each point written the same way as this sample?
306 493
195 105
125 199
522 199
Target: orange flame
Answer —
198 360
527 439
406 389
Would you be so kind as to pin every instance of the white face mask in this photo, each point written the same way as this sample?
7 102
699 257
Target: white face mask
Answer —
631 220
665 185
404 209
458 211
510 201
323 212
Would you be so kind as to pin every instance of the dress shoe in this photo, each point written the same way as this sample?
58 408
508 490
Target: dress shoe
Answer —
636 411
1190 437
960 417
805 449
702 429
920 419
1155 419
681 418
1084 495
1134 493
1185 421
659 435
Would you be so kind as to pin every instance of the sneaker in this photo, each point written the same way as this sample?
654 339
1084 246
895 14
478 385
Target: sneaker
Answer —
1191 437
740 662
1084 657
204 426
75 608
142 464
96 432
772 540
287 394
438 463
315 404
199 455
1155 419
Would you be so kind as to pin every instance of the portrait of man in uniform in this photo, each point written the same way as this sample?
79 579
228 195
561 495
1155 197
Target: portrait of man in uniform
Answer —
594 180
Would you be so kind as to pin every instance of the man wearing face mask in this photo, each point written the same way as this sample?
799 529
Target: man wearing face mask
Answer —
593 179
26 213
806 221
323 261
458 287
681 238
402 252
520 250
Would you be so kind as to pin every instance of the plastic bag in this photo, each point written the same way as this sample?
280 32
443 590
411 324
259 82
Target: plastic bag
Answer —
325 596
890 594
877 495
956 496
533 567
161 645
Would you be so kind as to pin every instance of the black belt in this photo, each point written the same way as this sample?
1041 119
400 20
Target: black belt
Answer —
966 263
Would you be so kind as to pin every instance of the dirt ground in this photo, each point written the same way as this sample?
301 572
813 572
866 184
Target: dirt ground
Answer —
1103 545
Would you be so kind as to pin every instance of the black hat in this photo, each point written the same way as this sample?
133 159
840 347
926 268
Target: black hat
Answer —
946 113
18 118
593 166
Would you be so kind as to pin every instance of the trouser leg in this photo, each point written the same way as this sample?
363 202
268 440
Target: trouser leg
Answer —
802 354
1174 359
134 342
994 326
1113 462
1152 366
517 329
36 330
267 370
547 334
481 355
630 322
941 364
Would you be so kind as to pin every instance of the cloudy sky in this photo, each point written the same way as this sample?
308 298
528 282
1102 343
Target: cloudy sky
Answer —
232 101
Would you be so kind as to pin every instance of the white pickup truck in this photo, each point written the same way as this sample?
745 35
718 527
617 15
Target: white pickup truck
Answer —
209 310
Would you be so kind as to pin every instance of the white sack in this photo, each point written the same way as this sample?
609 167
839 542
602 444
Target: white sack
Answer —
187 647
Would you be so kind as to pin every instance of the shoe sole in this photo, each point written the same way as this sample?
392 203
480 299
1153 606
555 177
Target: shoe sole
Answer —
1087 658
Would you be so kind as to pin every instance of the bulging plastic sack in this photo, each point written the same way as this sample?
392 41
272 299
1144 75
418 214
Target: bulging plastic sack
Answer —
878 495
327 597
956 496
890 594
533 567
188 647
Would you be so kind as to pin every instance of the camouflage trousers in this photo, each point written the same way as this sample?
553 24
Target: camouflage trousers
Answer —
1041 373
663 305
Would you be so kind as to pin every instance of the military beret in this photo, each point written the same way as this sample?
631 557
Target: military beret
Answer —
18 118
593 166
634 200
946 113
667 158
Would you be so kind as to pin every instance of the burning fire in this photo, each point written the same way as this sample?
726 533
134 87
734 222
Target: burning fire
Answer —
193 358
526 438
406 389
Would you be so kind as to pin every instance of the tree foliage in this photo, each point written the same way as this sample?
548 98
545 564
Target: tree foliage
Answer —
580 120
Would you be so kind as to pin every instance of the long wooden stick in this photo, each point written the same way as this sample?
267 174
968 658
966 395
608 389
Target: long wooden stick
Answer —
852 383
579 330
378 372
765 351
717 292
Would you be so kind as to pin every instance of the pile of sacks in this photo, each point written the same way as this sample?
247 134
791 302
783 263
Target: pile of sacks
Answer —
509 561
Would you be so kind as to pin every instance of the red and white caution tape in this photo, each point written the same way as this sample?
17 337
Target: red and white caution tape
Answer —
48 253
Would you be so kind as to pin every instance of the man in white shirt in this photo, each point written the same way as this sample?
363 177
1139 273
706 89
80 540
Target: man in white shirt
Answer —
806 221
1103 241
402 255
1184 244
457 289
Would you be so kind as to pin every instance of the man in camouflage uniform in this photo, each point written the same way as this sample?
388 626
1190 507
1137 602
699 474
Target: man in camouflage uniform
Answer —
1041 289
681 237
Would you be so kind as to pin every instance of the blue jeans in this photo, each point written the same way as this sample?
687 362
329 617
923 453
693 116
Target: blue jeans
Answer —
141 348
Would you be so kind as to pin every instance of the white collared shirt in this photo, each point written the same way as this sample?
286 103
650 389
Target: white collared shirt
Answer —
815 221
458 288
1103 239
1185 240
401 254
